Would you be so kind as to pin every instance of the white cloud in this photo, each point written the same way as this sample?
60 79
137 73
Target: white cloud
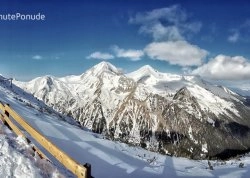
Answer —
192 26
176 52
37 57
132 54
240 33
172 14
160 32
225 68
170 23
101 56
234 37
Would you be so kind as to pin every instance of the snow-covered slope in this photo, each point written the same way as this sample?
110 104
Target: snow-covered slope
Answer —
17 158
108 158
171 114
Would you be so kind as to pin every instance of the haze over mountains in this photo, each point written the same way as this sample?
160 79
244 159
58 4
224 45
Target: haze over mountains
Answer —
167 113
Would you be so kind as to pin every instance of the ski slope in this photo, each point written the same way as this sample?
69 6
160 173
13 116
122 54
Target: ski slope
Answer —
108 159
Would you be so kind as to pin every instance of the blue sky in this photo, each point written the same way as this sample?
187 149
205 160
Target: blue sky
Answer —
207 38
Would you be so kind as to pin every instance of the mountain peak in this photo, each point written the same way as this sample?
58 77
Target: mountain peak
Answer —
148 68
144 73
103 67
104 64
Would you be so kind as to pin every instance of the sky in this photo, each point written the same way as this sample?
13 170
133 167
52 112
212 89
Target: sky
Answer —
208 38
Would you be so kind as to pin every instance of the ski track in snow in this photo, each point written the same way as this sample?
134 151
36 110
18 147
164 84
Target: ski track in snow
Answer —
108 159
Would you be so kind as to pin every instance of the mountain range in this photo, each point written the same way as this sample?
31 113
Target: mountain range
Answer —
179 115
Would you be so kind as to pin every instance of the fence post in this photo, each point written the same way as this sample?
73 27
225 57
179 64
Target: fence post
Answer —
88 167
8 115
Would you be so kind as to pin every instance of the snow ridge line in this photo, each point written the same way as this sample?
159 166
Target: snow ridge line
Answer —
81 171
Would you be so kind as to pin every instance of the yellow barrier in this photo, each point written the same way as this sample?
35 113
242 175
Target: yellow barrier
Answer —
76 168
6 120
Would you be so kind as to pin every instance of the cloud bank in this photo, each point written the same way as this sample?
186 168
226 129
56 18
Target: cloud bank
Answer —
131 54
240 33
225 68
176 52
169 23
101 56
170 27
234 37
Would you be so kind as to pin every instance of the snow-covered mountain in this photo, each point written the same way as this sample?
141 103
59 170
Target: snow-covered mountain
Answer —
171 114
107 158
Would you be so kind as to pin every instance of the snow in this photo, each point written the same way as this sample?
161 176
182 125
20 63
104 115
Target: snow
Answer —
216 99
150 75
108 158
98 69
208 100
17 159
82 89
204 148
156 82
211 121
190 132
106 84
